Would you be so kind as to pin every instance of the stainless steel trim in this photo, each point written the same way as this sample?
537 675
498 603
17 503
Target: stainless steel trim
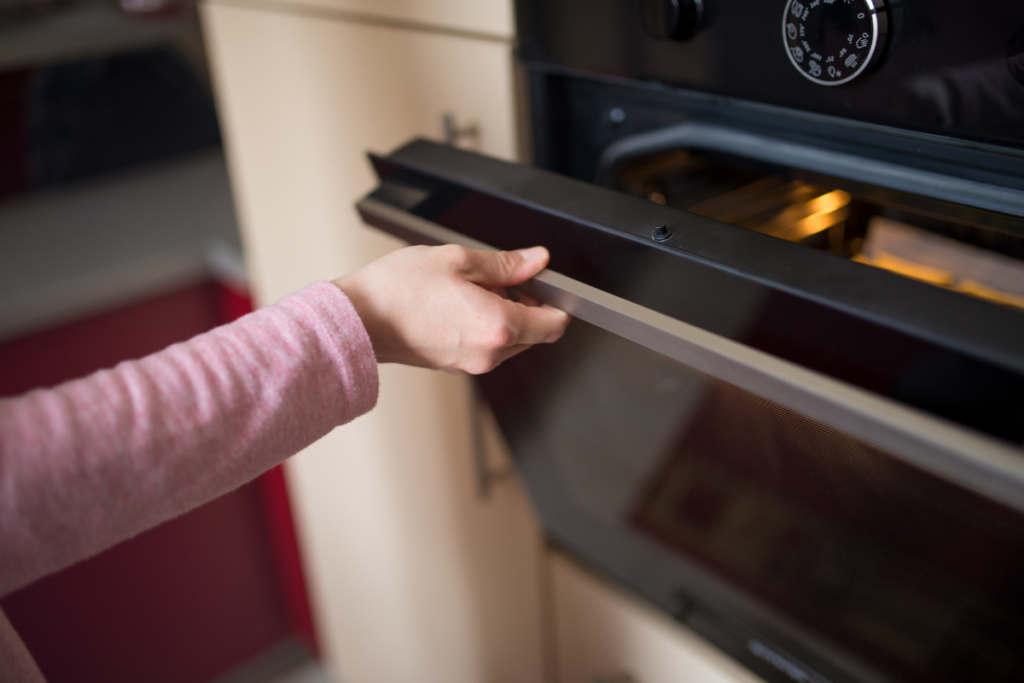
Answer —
970 459
859 169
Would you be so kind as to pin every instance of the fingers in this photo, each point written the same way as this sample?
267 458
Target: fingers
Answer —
502 268
537 324
450 307
513 329
556 321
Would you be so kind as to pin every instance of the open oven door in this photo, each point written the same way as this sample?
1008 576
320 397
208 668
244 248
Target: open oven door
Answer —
814 463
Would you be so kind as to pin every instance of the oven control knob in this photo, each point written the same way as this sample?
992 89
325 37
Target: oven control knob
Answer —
671 19
832 42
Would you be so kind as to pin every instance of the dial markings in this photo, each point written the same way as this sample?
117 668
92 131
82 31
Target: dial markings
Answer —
831 42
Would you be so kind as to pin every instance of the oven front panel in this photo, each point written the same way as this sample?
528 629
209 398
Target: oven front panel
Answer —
807 551
949 67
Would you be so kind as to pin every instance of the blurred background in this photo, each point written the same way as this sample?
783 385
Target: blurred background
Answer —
164 166
118 237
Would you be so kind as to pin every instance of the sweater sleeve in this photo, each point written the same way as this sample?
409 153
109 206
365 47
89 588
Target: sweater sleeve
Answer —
97 460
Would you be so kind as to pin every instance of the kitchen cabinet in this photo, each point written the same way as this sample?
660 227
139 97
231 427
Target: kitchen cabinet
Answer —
487 19
414 575
606 636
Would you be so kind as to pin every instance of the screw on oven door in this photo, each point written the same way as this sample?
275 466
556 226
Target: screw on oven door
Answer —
617 115
661 233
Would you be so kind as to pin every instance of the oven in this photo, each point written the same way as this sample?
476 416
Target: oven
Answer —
789 412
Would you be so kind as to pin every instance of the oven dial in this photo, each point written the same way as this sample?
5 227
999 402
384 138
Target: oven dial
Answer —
832 42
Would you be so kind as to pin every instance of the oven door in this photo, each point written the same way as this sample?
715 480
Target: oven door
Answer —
814 463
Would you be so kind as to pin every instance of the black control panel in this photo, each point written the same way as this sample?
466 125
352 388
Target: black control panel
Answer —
937 66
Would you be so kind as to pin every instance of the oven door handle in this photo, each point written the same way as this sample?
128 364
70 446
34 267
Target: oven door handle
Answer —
976 461
781 152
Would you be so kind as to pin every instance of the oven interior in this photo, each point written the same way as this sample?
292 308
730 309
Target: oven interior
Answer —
980 256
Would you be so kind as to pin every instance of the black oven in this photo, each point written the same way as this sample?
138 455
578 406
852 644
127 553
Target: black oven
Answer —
790 410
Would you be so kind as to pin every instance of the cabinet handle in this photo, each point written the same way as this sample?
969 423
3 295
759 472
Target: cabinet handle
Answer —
453 134
487 475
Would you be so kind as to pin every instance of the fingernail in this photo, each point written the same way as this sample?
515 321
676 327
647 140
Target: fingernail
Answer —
533 253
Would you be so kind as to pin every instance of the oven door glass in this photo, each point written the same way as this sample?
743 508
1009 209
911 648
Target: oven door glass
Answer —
814 463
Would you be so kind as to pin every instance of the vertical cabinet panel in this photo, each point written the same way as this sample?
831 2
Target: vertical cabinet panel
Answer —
604 636
412 577
302 99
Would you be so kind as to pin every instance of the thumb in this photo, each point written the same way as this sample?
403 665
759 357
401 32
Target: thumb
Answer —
506 268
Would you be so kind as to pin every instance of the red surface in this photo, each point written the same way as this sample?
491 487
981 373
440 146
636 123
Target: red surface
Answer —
101 341
233 303
281 526
192 598
181 603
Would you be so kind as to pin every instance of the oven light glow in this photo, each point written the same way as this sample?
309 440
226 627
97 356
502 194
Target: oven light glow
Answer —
824 212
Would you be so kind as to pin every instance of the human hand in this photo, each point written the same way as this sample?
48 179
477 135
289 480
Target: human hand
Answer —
446 307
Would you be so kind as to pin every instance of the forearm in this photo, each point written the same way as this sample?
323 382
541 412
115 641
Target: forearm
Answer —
98 460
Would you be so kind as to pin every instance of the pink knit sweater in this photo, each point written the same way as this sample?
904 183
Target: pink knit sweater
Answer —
95 461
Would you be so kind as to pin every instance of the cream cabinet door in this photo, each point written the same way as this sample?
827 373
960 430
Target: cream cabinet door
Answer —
606 636
413 578
482 18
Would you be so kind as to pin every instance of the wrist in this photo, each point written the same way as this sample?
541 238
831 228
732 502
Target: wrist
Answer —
349 286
